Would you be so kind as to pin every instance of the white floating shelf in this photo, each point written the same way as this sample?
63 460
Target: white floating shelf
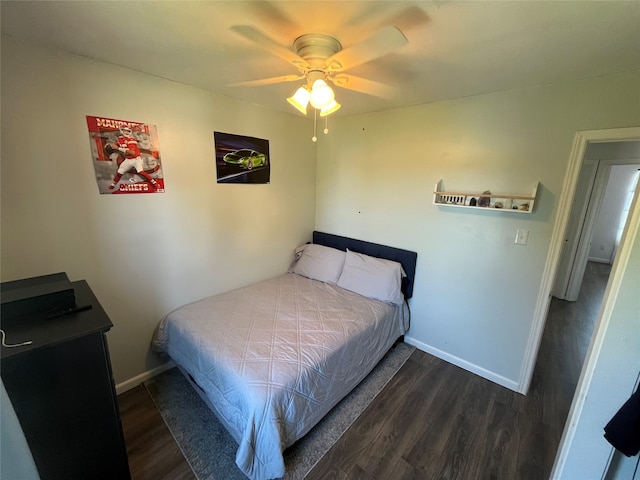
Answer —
487 201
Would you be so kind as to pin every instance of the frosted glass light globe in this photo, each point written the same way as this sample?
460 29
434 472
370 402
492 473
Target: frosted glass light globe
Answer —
321 94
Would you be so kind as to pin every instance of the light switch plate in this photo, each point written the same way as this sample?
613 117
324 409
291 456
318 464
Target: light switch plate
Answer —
522 236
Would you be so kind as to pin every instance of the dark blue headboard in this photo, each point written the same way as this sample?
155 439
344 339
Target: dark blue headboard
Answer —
405 257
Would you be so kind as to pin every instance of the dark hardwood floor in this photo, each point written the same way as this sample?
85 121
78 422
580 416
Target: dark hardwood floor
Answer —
153 453
433 420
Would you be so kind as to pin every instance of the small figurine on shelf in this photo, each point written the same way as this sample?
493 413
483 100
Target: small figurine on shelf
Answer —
472 202
484 201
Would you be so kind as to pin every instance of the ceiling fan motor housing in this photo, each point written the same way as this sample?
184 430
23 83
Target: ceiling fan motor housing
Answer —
315 49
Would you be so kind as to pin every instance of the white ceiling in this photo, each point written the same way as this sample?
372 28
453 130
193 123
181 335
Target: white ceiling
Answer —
455 49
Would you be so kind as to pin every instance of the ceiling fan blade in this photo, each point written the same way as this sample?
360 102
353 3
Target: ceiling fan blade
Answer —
380 44
362 85
260 39
268 81
273 17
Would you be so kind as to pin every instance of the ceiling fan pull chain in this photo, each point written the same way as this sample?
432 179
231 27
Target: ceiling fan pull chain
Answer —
315 121
326 124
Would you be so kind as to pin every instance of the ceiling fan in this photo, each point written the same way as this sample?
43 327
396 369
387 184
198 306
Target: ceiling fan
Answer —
320 58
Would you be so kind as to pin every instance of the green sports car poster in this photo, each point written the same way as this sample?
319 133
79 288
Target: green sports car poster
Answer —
241 159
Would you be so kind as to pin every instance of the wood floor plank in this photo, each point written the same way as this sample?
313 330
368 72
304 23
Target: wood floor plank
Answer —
465 443
399 430
153 453
403 470
473 448
535 457
501 451
366 427
328 471
357 473
429 448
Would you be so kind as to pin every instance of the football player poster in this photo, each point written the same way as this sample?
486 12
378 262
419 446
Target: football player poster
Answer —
125 155
241 159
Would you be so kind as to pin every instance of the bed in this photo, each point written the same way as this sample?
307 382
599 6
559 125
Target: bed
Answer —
271 359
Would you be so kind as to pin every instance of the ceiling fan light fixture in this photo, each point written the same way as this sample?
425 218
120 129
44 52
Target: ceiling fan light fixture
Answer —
300 99
329 109
321 94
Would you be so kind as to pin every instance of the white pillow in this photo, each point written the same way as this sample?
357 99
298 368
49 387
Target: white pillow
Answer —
296 257
320 263
372 277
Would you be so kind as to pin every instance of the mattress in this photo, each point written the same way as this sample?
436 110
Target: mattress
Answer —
274 357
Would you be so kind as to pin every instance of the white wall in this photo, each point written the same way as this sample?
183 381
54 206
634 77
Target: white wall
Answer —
143 255
475 290
616 201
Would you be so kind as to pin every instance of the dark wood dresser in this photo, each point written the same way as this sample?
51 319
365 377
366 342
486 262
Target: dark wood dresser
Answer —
62 390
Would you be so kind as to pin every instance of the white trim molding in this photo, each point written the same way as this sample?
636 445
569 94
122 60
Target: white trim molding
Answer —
470 367
580 142
138 379
601 326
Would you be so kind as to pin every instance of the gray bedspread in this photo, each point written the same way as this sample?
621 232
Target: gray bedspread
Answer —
274 357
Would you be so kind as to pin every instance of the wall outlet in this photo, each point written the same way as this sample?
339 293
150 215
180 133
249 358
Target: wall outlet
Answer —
521 237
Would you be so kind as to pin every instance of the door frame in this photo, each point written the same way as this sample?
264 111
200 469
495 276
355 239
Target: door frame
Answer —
630 233
578 150
575 253
574 230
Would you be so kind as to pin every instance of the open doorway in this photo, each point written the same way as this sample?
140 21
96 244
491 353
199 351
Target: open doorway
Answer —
571 440
603 194
570 193
604 190
570 325
613 215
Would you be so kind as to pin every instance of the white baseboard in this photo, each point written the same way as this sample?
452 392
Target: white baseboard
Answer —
470 367
138 379
599 260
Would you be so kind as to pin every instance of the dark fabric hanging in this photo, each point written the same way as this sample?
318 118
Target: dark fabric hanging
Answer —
623 430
